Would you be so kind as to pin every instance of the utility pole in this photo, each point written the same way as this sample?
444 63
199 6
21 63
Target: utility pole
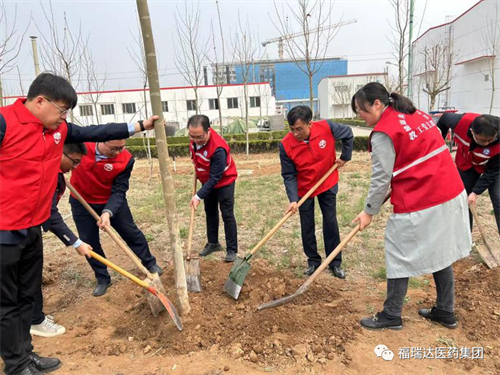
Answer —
35 55
163 158
410 52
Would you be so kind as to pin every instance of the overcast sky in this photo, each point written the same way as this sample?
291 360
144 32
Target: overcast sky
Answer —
110 25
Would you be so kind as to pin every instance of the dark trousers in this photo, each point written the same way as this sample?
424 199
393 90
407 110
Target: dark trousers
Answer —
38 314
328 204
123 222
223 198
469 178
20 278
445 290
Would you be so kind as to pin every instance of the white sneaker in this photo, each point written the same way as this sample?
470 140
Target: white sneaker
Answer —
47 328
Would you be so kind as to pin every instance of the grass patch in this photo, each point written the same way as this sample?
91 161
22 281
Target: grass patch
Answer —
380 274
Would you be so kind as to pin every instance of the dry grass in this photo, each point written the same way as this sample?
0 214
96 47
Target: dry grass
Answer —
260 203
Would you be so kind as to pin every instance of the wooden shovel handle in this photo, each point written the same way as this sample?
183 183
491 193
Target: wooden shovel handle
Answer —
191 222
479 226
109 231
120 270
287 216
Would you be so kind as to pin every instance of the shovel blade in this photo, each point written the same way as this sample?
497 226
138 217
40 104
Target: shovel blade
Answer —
487 256
192 267
154 303
278 302
168 306
236 277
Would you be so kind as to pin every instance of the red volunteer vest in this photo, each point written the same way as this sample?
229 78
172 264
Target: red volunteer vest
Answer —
94 179
479 156
30 159
201 160
424 174
312 160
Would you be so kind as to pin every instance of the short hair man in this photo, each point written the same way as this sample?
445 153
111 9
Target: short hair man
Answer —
102 179
216 170
306 154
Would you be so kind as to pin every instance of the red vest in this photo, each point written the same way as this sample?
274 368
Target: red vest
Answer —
312 160
424 174
94 179
479 156
201 160
30 159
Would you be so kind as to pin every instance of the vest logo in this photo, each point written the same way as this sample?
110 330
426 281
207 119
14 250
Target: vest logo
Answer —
205 153
486 151
57 138
322 143
108 167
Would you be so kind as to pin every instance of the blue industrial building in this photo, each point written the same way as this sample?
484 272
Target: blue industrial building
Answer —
289 84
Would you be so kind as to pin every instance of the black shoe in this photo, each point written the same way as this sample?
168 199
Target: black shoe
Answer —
381 321
211 248
156 269
28 370
230 257
445 318
310 270
337 271
101 289
44 364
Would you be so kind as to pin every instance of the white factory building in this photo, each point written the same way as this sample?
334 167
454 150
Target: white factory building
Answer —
178 104
335 93
470 45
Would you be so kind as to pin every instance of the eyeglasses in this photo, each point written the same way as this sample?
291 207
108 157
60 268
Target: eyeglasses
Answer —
63 112
197 137
298 130
482 141
76 163
115 149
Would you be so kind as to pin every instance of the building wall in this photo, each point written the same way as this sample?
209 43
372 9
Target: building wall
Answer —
177 104
471 85
335 93
289 84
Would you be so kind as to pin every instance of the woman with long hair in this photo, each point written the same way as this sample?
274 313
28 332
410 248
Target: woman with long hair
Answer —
428 230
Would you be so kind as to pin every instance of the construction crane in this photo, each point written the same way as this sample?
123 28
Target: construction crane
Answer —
281 39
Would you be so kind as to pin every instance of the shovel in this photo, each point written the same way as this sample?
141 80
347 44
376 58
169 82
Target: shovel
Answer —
152 279
241 267
192 265
490 256
163 300
321 268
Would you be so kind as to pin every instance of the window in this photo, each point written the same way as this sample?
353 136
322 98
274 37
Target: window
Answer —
232 103
213 103
342 88
191 105
254 101
128 107
486 77
108 109
164 106
86 110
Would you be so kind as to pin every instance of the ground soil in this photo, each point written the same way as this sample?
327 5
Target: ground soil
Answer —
318 333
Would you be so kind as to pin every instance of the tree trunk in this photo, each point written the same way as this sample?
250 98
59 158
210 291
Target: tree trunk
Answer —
245 90
492 79
1 93
311 92
161 144
432 97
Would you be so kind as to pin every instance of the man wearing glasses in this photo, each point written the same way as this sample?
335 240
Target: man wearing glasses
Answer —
41 324
306 154
216 170
103 180
478 154
33 132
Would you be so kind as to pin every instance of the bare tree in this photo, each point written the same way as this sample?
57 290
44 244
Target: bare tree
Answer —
438 59
244 50
399 39
491 43
161 143
63 47
94 84
307 51
189 49
341 95
10 43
